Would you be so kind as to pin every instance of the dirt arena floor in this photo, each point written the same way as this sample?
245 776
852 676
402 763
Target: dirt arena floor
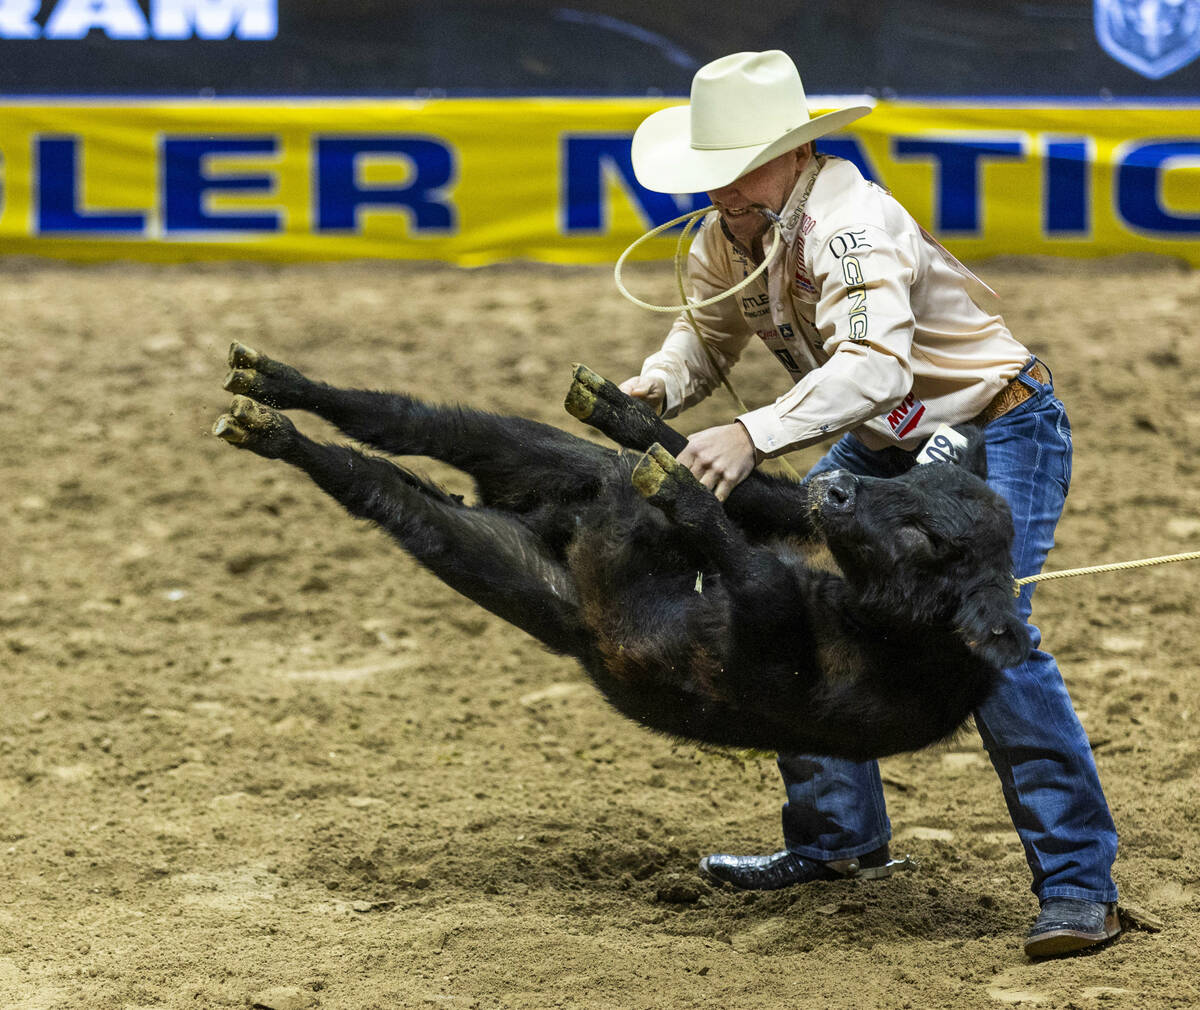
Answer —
251 755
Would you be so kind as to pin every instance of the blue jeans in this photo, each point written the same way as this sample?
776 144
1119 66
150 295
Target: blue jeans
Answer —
835 808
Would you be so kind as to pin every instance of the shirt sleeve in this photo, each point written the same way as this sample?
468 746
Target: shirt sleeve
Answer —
686 369
866 322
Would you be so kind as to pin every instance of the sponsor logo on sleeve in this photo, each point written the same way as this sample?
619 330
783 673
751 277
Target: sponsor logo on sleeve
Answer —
856 298
851 240
905 416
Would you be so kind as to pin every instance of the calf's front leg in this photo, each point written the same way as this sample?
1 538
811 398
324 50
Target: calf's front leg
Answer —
668 485
627 421
763 505
754 576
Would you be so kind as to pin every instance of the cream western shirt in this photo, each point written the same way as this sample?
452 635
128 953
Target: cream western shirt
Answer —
883 331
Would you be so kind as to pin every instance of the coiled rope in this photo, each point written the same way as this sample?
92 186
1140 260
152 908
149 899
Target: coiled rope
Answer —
689 221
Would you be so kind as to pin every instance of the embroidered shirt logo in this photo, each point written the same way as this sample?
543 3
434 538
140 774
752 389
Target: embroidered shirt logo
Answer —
1152 37
844 247
803 280
777 344
856 295
757 305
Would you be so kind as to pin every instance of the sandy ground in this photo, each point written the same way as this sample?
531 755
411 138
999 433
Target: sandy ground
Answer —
250 754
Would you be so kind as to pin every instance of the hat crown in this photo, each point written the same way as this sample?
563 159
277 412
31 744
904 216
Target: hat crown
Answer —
746 99
746 109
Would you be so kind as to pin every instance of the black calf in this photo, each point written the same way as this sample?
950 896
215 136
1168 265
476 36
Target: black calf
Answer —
696 619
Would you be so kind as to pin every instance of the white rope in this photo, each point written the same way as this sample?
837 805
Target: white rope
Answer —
1097 569
687 304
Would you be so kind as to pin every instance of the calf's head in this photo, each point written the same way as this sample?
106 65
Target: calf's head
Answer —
931 547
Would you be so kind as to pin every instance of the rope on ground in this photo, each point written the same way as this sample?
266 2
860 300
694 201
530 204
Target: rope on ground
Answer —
1097 569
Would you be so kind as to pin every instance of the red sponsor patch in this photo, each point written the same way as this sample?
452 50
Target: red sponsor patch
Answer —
803 281
904 417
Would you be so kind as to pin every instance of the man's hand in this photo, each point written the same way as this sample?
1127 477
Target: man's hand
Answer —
649 388
720 458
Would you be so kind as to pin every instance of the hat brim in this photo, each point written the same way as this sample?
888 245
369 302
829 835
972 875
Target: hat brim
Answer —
665 161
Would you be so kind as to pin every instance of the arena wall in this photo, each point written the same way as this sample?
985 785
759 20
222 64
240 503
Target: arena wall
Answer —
472 131
473 181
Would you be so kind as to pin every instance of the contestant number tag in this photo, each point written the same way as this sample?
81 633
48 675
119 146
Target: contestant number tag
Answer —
944 446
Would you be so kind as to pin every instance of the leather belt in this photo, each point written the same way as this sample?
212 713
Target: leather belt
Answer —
1012 395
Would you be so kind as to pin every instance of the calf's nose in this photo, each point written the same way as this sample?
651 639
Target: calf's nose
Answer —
840 487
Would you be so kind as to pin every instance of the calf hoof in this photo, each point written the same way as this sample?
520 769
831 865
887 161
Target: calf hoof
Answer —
662 480
255 375
250 425
581 397
241 380
241 356
590 390
626 420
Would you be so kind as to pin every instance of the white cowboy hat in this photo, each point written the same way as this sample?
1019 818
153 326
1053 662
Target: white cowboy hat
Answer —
746 109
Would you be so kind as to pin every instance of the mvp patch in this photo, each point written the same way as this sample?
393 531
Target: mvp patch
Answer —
904 418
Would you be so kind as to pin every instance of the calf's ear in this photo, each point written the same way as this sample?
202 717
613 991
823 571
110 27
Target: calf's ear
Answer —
987 620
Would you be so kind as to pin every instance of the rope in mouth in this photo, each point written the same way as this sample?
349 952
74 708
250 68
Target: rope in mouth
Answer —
689 221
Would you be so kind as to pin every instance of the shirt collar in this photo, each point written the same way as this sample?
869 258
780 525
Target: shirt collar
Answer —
793 210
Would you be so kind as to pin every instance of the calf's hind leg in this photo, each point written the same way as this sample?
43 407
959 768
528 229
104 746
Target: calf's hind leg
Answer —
488 557
268 381
517 463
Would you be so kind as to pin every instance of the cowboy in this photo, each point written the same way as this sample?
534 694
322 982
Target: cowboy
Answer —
885 336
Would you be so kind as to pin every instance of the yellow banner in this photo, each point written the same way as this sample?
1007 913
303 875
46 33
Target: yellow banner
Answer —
472 181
